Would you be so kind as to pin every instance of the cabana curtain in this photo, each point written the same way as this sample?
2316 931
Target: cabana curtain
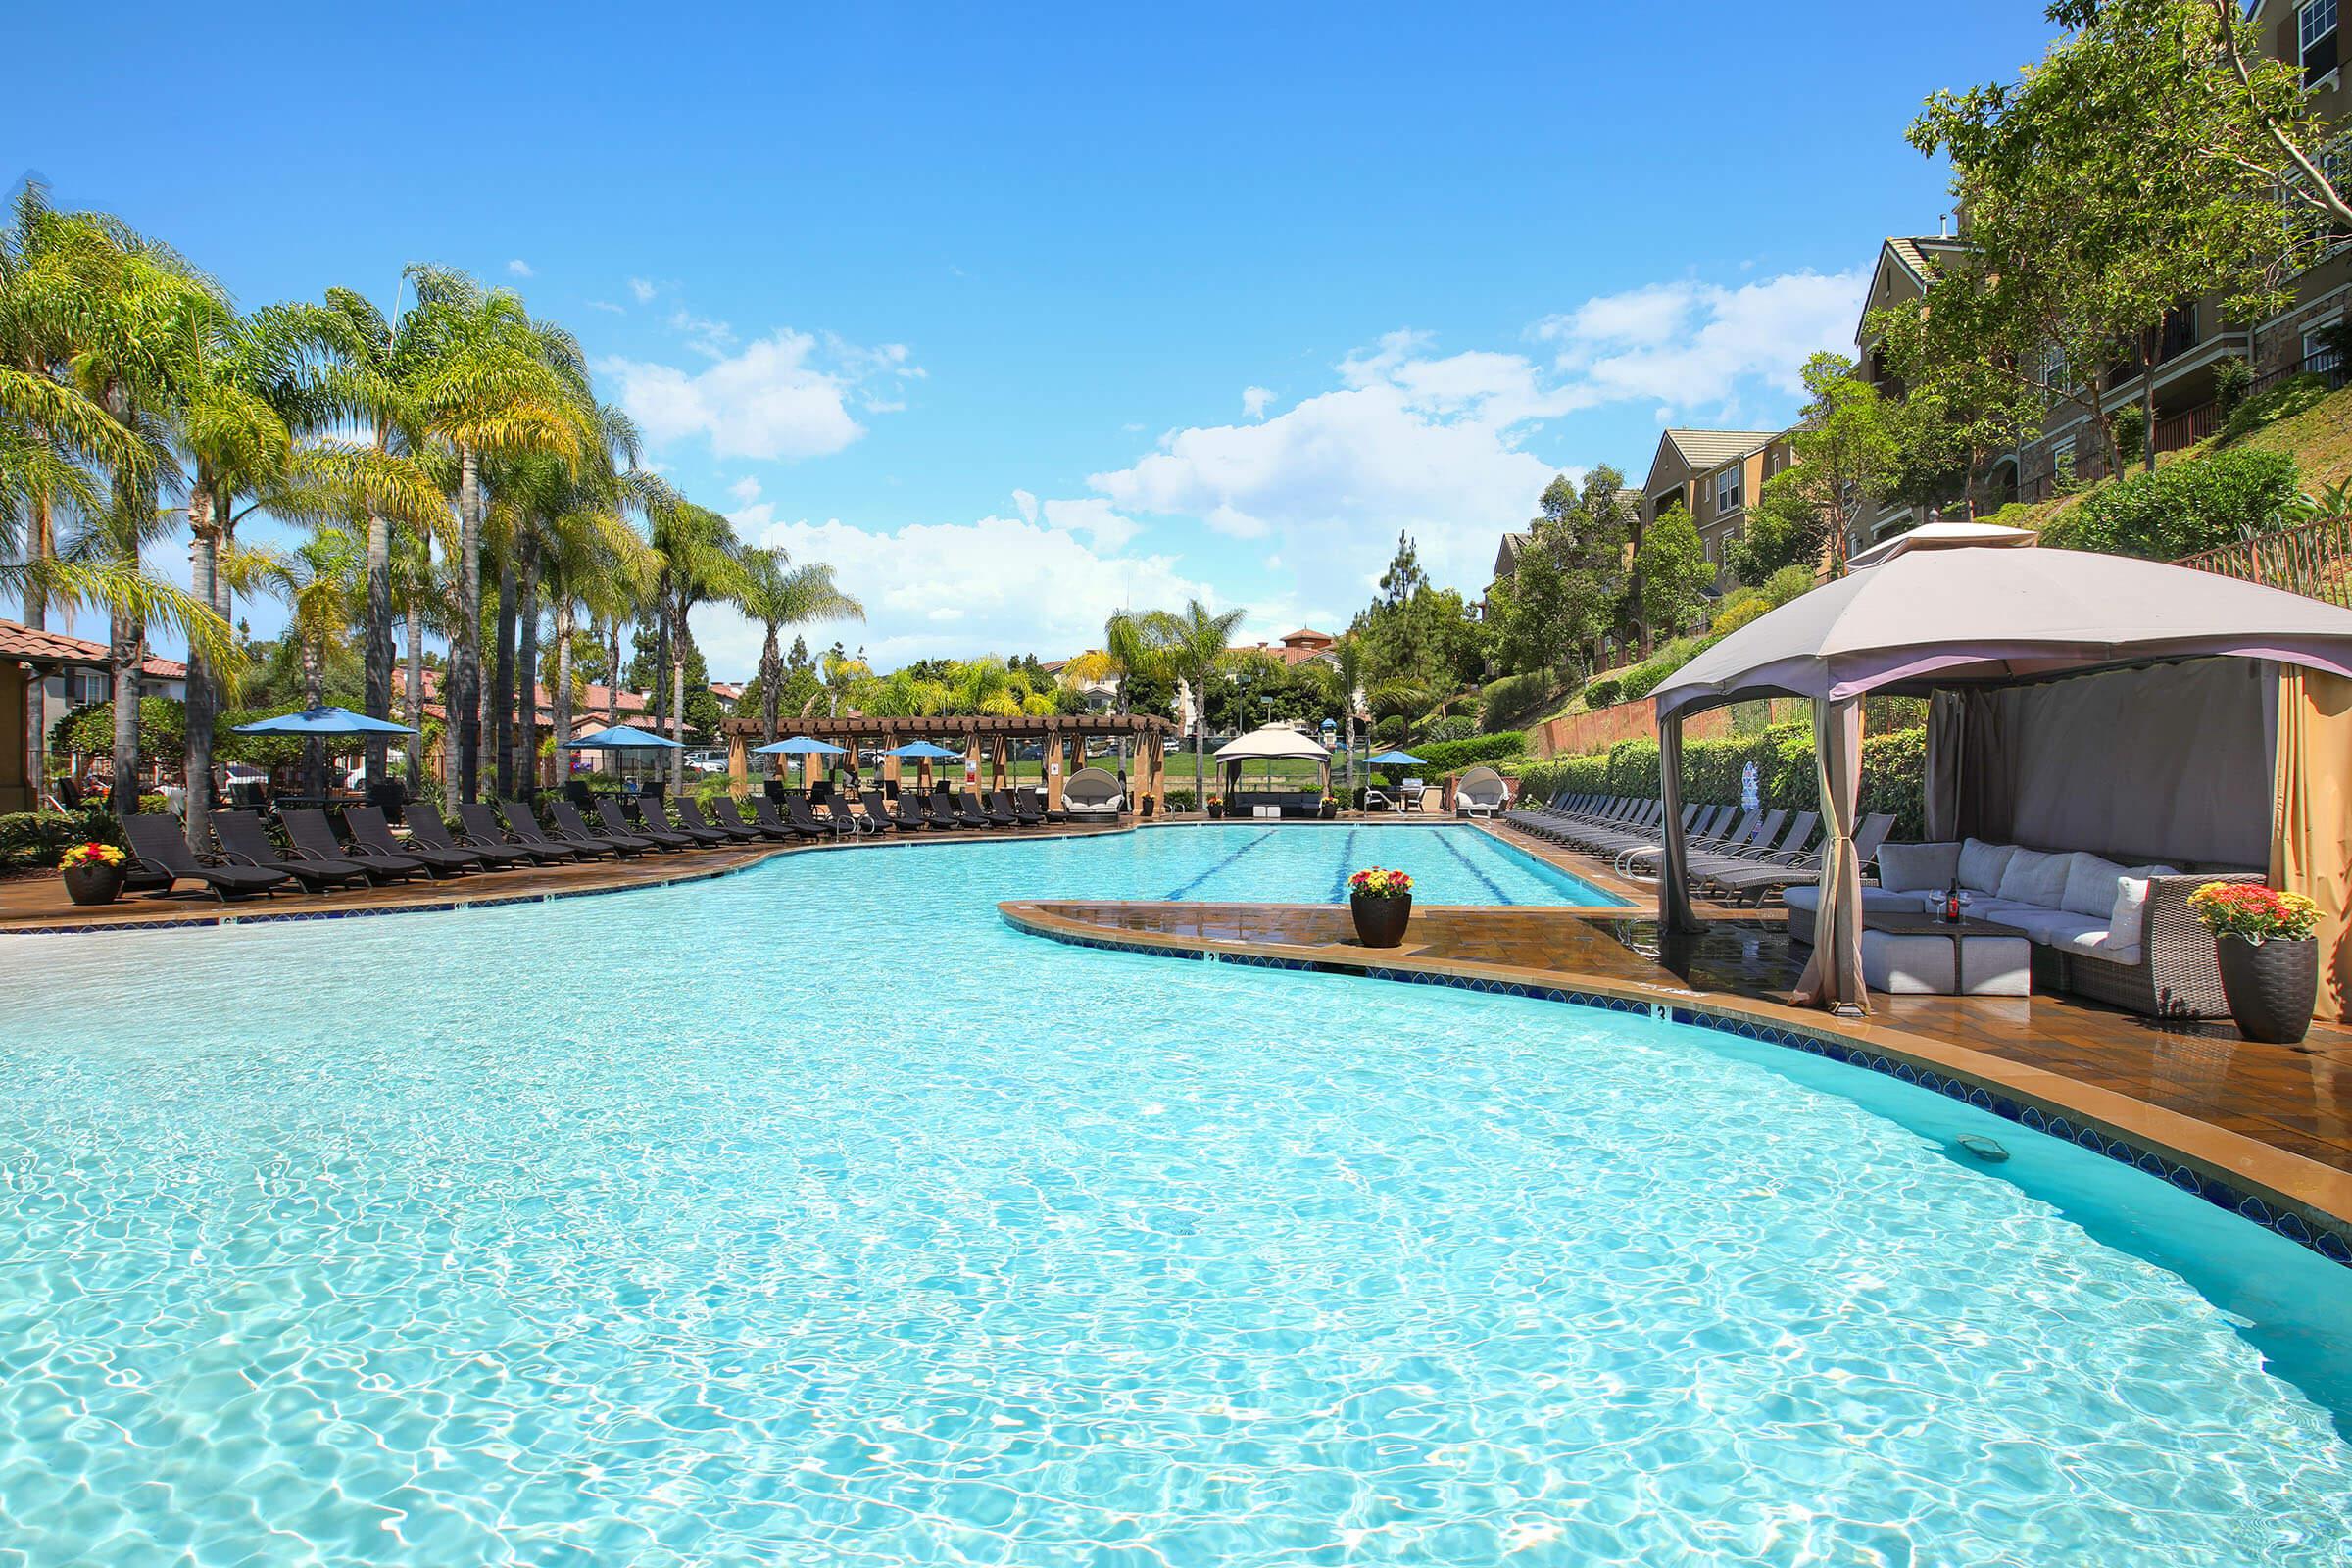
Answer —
1833 976
2310 852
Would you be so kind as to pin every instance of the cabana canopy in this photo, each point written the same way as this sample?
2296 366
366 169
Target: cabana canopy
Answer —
1941 536
1973 620
1956 617
1271 743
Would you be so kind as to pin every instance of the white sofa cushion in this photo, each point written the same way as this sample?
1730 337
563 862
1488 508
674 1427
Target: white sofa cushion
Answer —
1981 864
1808 898
2054 928
2091 884
1924 867
2126 920
2033 877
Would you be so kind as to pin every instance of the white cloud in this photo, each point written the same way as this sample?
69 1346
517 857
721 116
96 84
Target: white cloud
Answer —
1095 517
1004 585
642 289
1027 503
744 490
1254 400
786 395
607 304
1699 346
519 268
702 334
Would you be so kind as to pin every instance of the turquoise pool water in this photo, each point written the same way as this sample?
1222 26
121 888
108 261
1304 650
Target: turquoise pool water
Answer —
1246 862
813 1216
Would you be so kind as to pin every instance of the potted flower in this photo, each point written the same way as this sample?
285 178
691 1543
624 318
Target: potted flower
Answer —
1331 806
2269 959
92 873
1382 901
1216 806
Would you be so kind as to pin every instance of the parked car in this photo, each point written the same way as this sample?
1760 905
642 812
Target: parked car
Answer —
707 762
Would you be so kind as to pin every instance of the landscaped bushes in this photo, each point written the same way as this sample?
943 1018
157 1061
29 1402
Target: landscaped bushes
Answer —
1445 756
1450 727
1603 691
2182 509
1894 772
29 840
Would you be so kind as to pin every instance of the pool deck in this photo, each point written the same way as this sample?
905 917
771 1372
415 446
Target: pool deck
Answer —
2274 1121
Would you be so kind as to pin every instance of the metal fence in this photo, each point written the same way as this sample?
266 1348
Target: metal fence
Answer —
2313 559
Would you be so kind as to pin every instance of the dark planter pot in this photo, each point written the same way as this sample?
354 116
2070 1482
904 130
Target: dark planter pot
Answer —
1331 810
1380 922
92 884
1216 809
2271 987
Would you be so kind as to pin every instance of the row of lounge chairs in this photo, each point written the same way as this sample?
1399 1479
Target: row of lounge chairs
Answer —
317 858
1743 856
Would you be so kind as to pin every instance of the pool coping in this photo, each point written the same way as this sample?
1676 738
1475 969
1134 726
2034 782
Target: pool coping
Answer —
2305 1201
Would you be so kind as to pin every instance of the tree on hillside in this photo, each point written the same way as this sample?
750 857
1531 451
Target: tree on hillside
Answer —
776 594
1674 571
2104 189
1565 594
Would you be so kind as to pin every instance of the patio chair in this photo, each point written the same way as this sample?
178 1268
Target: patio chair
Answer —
522 825
618 826
570 828
845 822
427 827
969 813
877 812
1751 885
655 821
158 849
484 829
909 815
805 822
690 817
772 815
1027 809
999 809
244 841
941 814
312 837
727 814
371 833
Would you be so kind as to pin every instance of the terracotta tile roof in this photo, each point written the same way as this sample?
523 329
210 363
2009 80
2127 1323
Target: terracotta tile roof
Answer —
1709 448
18 641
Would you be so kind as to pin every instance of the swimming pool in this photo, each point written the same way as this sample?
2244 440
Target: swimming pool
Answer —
813 1216
1255 862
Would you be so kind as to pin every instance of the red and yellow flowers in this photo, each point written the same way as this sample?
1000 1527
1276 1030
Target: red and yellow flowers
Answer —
2254 913
91 854
1378 883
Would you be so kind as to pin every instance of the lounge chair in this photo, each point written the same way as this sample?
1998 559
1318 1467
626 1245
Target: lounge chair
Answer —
1027 809
244 841
968 811
805 822
837 813
764 813
484 829
877 812
618 826
158 849
690 817
943 812
426 827
999 809
571 828
1753 885
910 815
522 825
657 822
313 839
726 813
371 834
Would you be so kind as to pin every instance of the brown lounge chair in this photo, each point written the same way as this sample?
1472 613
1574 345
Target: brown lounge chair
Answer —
370 834
728 814
690 815
314 838
484 829
764 813
160 849
651 815
568 827
522 826
618 826
245 841
426 827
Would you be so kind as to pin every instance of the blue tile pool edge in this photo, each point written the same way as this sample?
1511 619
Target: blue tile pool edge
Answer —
2303 1227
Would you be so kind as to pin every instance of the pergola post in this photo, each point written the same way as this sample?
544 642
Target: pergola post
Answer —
1057 765
739 767
1675 914
889 764
811 771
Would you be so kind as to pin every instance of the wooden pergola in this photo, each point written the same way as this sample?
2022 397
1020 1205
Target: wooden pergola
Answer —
985 742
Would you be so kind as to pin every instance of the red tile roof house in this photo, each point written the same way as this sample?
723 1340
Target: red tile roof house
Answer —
69 672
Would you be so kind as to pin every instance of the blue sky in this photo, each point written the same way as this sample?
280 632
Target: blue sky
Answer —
1018 315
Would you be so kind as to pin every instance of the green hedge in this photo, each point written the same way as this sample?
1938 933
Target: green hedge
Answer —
1894 772
2194 504
1445 757
29 840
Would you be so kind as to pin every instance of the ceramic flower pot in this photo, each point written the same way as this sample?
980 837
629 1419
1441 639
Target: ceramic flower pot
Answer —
1216 809
1380 922
94 883
2272 986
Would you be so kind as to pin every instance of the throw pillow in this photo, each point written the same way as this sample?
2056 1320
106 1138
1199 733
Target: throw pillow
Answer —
1981 864
2091 884
2125 925
2035 879
1917 868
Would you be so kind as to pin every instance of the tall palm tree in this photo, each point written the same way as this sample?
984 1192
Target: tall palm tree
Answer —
1194 643
778 594
320 582
1129 648
489 383
1348 651
700 564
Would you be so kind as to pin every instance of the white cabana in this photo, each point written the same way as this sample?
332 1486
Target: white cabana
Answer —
1972 622
1274 744
1943 536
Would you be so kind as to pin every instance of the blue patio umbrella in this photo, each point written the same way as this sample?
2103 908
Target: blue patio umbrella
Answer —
922 752
624 739
1394 758
323 723
799 746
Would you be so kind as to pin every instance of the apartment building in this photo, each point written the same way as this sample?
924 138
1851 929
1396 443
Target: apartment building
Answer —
1714 476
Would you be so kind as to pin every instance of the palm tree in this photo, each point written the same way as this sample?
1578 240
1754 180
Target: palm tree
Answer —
320 581
700 564
1348 651
778 594
422 600
1194 643
1129 649
489 383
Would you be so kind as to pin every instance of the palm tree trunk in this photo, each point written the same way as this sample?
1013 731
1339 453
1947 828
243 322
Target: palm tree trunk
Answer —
502 681
38 547
197 762
125 640
662 667
677 707
771 681
314 695
464 693
613 674
375 678
527 678
415 717
562 696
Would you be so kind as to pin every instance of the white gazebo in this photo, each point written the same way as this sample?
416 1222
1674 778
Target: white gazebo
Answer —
1274 744
2073 693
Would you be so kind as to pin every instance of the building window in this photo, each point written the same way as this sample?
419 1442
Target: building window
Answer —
1727 491
2316 38
2319 354
2053 368
2062 463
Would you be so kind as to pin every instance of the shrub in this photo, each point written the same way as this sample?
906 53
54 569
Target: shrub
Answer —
2130 432
1740 606
1447 756
2194 504
2287 398
1603 691
1451 727
1391 730
1787 583
1509 702
33 838
2233 380
1894 772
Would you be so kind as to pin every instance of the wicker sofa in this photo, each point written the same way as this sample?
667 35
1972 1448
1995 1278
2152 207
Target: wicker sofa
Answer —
2121 934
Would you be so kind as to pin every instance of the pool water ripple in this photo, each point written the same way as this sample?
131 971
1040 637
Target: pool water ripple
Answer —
812 1215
